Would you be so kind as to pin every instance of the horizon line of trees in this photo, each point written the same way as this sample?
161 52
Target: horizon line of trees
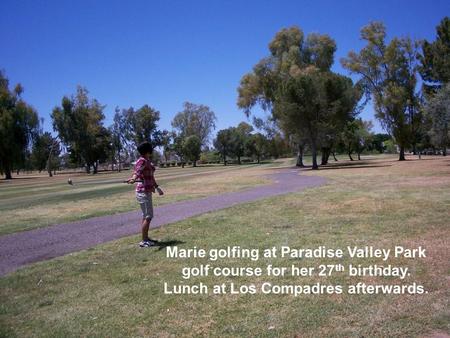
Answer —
318 107
310 109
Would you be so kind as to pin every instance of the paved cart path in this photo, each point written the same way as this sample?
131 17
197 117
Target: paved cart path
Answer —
35 245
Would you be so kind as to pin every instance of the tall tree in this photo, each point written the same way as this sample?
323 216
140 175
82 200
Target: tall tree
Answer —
357 136
166 139
79 123
141 125
223 143
195 119
118 132
45 152
295 83
378 142
388 76
177 147
438 110
435 59
192 148
19 124
256 145
237 143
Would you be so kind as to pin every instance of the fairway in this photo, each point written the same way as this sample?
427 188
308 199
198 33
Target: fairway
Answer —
32 201
116 289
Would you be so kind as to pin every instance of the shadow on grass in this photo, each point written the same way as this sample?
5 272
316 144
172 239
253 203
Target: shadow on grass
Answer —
359 166
351 165
164 244
19 178
348 165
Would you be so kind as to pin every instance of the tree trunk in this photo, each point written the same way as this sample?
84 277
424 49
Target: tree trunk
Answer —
259 159
224 159
402 154
300 156
194 163
118 156
49 167
334 156
239 160
8 175
349 152
359 156
444 151
325 156
314 156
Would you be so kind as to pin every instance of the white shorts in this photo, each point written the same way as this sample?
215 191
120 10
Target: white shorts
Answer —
145 201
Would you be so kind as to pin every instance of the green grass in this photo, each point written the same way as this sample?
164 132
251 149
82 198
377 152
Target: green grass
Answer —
33 202
115 289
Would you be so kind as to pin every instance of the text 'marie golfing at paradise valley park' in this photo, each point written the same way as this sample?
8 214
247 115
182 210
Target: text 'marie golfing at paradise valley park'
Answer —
288 252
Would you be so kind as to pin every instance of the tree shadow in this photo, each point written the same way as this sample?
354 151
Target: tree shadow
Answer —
359 166
15 178
346 165
164 244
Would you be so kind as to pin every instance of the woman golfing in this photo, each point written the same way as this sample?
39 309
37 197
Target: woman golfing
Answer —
144 171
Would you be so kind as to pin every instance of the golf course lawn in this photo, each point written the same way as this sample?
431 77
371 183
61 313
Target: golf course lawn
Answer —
36 201
116 289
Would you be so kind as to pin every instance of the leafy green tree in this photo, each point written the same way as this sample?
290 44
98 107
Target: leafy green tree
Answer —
237 143
348 137
79 123
256 145
223 143
315 102
276 144
210 156
239 138
177 147
118 132
390 146
438 110
141 125
196 120
45 152
378 142
166 139
388 76
295 83
435 59
363 136
19 124
192 148
357 137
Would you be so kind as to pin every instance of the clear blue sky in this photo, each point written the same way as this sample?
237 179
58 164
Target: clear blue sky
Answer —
162 53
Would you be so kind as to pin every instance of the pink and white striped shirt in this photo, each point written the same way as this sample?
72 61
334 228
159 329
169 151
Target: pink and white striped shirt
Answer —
144 171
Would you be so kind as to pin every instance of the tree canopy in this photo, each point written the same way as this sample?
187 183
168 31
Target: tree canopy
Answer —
195 119
296 85
19 124
388 76
79 123
435 58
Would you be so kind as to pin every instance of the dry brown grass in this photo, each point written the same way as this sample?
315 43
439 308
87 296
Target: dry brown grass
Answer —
378 201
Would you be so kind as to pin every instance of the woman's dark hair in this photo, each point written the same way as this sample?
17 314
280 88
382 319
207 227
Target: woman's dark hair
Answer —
144 148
